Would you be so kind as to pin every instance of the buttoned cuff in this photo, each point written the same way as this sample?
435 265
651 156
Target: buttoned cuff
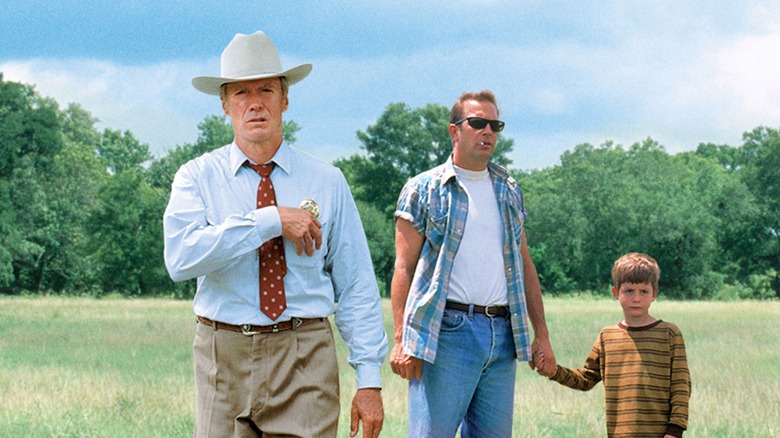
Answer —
368 377
268 223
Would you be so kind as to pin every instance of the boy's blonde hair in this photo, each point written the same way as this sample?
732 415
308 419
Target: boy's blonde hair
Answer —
636 267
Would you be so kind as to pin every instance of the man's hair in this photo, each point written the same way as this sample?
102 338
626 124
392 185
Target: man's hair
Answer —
636 267
282 79
456 113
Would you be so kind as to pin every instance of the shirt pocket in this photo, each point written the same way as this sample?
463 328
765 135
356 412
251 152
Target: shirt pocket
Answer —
305 262
436 229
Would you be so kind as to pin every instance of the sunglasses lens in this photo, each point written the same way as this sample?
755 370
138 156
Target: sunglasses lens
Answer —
480 123
477 123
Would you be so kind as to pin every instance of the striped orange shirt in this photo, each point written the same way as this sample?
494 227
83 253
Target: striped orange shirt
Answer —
646 379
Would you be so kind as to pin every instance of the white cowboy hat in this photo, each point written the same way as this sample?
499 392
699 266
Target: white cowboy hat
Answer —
246 58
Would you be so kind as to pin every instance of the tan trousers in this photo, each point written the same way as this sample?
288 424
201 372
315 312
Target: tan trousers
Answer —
281 384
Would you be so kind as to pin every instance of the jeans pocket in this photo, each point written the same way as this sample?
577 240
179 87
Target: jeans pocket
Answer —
452 320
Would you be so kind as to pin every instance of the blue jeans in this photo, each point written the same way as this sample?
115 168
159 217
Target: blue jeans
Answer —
472 382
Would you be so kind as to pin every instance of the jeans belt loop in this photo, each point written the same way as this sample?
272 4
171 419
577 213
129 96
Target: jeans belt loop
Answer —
471 311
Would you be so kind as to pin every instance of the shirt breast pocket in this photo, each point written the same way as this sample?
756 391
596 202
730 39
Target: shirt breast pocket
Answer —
435 230
305 262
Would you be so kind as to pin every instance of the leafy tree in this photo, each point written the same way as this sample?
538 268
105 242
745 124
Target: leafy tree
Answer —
30 138
29 127
78 172
126 232
381 242
290 129
761 173
214 132
603 202
733 209
728 157
122 151
80 210
748 233
552 228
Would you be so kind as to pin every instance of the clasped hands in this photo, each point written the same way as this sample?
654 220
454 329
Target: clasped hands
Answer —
543 358
301 228
409 367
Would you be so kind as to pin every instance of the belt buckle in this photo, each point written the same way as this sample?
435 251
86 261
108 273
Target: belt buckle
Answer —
487 312
246 330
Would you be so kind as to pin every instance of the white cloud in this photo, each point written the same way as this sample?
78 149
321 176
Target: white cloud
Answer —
154 102
681 81
748 70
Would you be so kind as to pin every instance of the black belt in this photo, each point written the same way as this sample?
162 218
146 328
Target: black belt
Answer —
490 311
249 329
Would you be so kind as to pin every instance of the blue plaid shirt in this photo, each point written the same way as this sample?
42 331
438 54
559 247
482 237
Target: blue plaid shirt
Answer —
437 205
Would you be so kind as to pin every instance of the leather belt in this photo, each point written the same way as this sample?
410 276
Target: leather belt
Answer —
249 329
490 311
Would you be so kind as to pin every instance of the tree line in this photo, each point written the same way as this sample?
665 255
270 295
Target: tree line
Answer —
81 210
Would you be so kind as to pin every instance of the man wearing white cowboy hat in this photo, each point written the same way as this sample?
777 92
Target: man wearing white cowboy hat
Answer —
265 362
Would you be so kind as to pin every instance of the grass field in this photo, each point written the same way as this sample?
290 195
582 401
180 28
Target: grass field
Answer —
112 367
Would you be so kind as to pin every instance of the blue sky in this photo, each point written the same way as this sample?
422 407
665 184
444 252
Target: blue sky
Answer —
565 73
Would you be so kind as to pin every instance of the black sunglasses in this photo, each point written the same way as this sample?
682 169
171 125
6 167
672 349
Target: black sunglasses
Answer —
480 123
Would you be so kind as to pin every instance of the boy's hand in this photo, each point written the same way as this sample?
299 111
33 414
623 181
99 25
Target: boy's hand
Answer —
538 364
537 361
546 372
543 357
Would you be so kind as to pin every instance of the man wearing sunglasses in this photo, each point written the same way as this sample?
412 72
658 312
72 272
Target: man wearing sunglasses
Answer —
465 286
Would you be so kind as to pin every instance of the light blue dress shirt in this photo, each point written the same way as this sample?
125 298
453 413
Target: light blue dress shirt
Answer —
212 232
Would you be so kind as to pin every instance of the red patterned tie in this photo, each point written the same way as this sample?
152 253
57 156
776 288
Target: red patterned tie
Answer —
271 253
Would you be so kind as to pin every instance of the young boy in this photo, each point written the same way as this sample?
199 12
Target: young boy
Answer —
641 360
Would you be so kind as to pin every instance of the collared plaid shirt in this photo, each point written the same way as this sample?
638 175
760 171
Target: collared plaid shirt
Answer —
437 205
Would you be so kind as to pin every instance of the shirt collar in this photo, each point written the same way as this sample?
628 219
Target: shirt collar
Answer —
493 169
282 158
449 170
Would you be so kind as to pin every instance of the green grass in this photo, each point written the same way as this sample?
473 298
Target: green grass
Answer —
95 368
105 368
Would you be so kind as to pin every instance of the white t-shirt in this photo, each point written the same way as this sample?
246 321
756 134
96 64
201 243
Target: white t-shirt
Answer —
478 268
